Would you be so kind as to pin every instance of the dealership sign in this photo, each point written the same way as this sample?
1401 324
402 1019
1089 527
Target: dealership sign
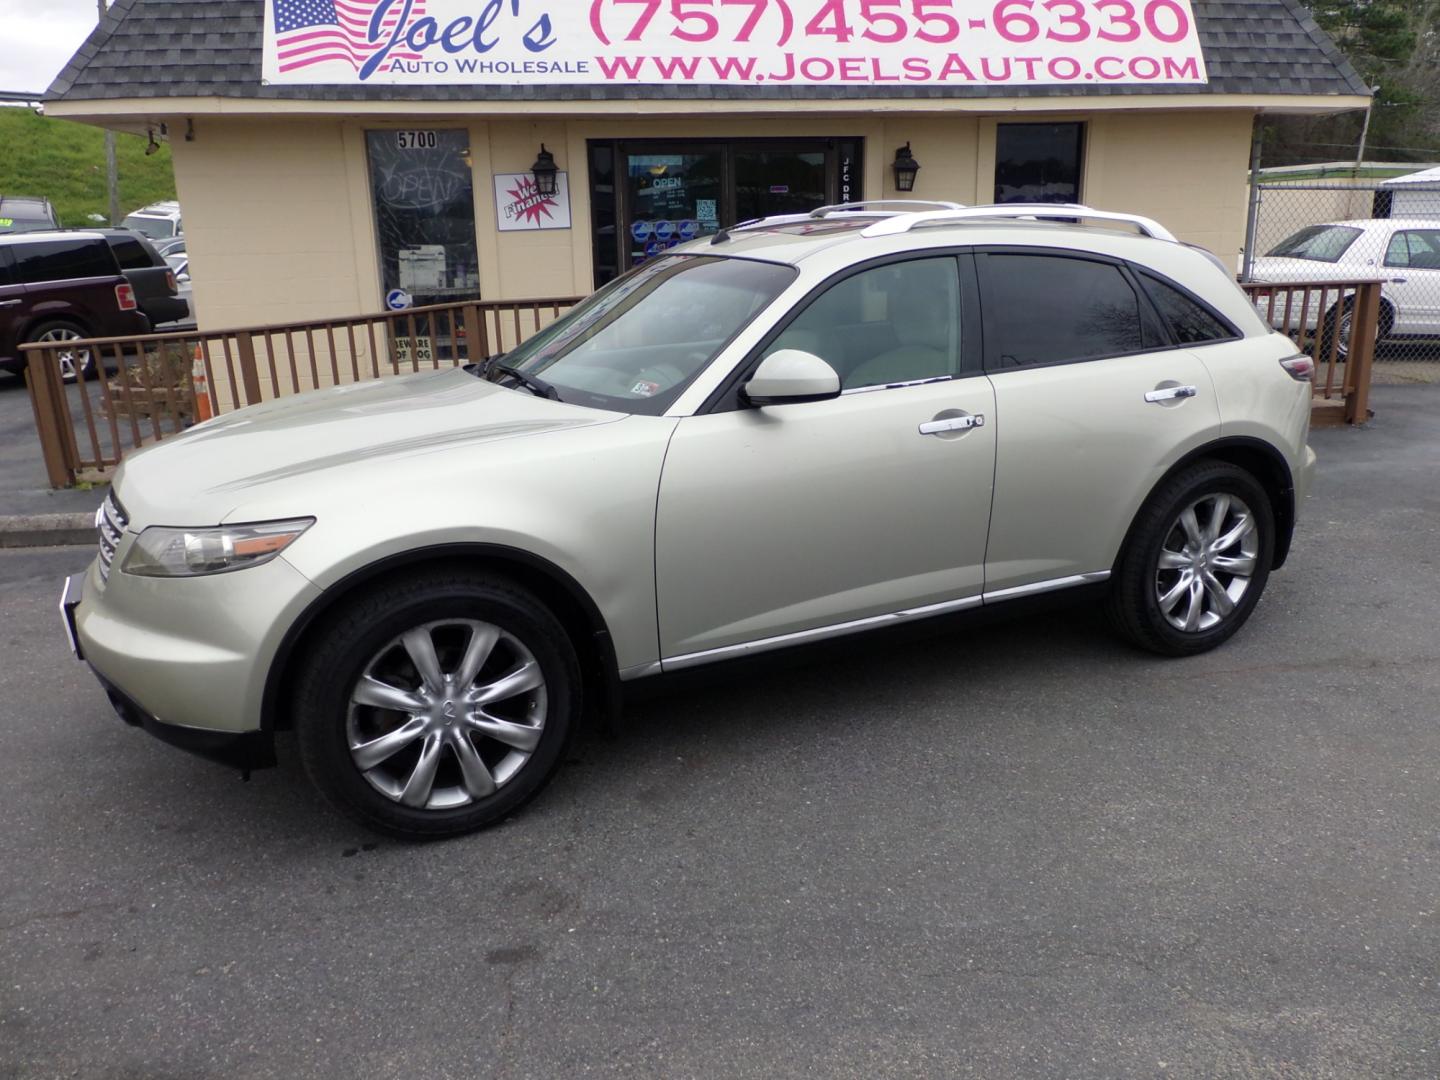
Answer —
736 42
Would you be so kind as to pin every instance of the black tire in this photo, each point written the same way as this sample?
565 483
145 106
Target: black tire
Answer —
1134 605
346 645
1335 327
91 369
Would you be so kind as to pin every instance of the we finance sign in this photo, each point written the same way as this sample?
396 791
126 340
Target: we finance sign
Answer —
735 42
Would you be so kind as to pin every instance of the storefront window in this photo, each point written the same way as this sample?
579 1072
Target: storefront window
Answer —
1038 163
649 196
423 194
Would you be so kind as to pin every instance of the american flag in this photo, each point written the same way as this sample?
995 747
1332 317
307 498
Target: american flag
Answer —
314 31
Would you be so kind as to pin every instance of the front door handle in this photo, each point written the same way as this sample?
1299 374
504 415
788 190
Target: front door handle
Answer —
1168 393
8 303
952 423
1399 280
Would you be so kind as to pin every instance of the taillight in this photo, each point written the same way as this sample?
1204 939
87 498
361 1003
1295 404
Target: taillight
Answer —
170 281
125 297
1299 367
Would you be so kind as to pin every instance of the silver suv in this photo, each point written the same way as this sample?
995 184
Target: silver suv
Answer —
799 428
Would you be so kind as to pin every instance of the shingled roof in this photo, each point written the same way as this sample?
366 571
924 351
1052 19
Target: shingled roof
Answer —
201 48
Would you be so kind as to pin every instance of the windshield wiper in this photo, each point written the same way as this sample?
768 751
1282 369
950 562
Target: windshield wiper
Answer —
535 385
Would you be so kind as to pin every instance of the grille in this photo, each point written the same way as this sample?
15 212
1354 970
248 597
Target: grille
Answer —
110 523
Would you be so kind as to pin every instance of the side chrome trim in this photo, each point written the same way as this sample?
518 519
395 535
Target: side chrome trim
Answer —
1035 587
898 385
819 633
640 671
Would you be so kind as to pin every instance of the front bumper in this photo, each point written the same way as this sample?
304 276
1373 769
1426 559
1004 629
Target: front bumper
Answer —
187 658
239 749
243 750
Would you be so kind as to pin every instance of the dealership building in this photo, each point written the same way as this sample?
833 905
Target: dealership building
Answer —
331 154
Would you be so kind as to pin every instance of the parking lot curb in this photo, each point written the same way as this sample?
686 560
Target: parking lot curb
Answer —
46 530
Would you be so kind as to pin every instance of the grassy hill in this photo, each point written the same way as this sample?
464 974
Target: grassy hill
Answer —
66 162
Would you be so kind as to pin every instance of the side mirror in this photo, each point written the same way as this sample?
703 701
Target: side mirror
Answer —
791 376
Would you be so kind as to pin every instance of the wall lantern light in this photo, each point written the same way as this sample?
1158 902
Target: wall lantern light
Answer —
905 169
546 173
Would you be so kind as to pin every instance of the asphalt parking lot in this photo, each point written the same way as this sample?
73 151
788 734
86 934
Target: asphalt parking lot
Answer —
1017 851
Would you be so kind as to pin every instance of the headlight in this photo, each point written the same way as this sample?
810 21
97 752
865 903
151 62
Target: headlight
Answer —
165 552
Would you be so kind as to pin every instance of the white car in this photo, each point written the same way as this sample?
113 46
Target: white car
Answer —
795 429
158 221
1405 253
179 264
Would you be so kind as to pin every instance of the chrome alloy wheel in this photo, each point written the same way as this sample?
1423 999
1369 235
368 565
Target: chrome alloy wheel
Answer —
446 714
1207 561
73 362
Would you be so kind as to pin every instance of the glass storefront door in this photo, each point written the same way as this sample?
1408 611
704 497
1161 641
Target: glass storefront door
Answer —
778 182
649 196
672 197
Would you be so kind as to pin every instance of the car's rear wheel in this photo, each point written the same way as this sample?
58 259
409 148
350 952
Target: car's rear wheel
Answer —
1196 562
436 705
1336 331
74 363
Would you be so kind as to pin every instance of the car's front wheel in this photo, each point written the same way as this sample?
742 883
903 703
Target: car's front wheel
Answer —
1196 562
437 704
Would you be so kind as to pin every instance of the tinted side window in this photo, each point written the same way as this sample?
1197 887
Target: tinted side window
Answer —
1188 320
890 324
1415 247
57 260
130 252
1049 309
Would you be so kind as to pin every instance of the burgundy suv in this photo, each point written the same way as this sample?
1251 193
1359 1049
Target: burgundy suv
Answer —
62 288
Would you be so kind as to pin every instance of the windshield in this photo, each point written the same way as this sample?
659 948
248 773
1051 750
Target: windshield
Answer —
1323 243
638 342
24 224
153 227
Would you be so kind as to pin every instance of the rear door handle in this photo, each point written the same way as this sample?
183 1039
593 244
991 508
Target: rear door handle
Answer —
8 303
952 423
1170 392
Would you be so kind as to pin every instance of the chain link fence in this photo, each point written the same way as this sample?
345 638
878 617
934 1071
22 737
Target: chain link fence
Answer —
1389 231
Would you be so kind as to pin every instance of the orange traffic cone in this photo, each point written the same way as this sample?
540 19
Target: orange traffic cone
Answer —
200 382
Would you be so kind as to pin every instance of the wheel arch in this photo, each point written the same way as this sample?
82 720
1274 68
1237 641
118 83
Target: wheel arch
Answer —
562 594
1262 461
38 321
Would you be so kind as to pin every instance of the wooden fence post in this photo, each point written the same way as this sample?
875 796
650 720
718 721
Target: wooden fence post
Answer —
52 416
1364 328
249 377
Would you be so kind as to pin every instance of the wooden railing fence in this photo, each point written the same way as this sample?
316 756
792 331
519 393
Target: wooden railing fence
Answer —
143 388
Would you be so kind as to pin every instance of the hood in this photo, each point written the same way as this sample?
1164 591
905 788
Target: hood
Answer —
197 477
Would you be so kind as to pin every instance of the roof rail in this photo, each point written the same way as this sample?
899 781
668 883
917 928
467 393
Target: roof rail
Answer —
865 208
903 223
908 205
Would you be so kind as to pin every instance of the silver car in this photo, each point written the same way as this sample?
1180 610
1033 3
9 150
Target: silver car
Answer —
796 429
